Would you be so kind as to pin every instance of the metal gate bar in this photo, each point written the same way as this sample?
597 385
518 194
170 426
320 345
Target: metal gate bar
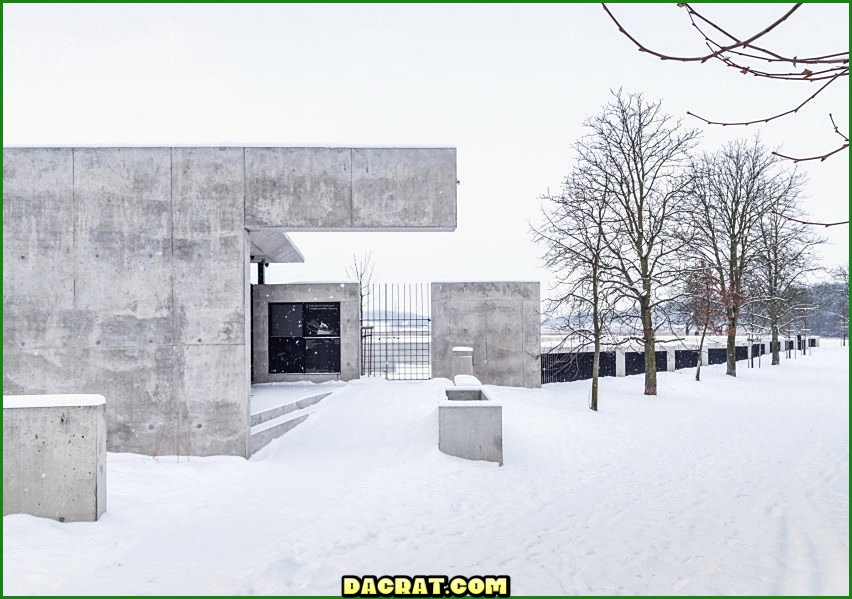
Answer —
396 331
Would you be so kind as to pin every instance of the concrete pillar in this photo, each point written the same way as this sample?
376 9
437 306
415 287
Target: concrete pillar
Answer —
705 355
620 363
462 362
670 359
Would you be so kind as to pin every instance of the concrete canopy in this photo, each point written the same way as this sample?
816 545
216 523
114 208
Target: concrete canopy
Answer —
274 247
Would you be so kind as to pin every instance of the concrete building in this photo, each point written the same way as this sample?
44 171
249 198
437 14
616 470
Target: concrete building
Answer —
126 270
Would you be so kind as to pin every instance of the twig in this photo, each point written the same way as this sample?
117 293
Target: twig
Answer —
807 222
777 116
821 157
738 44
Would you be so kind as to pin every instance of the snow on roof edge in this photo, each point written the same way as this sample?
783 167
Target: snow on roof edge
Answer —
59 400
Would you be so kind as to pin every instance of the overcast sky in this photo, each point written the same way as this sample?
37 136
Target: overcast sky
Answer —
508 85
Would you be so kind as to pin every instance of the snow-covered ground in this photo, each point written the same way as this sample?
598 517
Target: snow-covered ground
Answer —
724 486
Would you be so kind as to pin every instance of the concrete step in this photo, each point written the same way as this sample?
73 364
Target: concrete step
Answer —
287 408
265 432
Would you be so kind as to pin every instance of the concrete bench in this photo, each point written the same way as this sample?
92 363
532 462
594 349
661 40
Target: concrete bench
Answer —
54 456
470 422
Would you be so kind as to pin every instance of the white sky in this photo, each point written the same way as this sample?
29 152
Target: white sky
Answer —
508 85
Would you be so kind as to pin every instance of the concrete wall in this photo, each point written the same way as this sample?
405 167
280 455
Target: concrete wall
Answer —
54 459
350 326
351 188
499 320
125 269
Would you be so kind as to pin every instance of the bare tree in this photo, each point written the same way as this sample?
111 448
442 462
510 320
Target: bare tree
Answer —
635 155
750 56
785 255
703 303
732 190
361 270
576 251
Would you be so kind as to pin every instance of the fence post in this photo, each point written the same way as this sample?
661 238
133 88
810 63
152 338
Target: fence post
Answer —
620 363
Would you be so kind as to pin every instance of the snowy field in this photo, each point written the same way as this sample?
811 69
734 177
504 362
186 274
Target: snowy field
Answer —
724 486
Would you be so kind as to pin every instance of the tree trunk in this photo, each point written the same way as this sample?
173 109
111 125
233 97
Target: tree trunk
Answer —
596 329
776 345
596 360
700 351
650 356
732 346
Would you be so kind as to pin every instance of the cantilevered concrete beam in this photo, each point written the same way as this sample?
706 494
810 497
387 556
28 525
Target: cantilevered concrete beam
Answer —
346 189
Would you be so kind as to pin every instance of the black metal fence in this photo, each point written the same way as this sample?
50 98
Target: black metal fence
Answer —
396 327
576 366
634 361
564 366
686 358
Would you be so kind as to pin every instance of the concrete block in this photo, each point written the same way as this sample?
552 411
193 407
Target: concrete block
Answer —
123 247
472 430
54 456
404 188
208 242
298 187
462 361
38 243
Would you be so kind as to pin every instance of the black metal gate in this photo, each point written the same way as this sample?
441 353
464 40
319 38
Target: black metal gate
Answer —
396 327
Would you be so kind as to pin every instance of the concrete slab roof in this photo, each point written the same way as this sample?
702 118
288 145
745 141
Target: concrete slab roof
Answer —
274 247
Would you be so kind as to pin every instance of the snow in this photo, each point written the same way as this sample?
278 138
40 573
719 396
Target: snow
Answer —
466 379
727 486
462 349
258 428
62 400
266 396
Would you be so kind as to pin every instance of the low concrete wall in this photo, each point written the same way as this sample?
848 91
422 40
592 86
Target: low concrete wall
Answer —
347 294
54 456
499 320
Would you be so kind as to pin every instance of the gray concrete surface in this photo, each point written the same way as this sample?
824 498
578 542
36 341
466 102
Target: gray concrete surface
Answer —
350 327
472 430
126 269
351 188
54 461
464 394
462 361
499 320
264 437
